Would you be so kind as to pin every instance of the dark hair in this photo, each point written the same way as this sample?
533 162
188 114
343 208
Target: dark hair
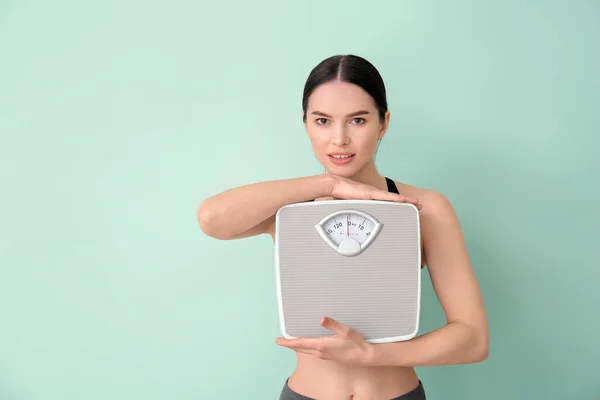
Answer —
347 68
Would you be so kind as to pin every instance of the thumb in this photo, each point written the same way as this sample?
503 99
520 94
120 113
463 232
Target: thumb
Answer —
336 326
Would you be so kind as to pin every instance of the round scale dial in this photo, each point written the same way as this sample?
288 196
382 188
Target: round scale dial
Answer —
349 232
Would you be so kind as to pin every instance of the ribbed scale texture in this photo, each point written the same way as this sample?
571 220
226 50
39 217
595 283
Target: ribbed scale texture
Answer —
376 292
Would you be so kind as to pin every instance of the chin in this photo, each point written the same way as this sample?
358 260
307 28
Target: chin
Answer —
347 171
344 174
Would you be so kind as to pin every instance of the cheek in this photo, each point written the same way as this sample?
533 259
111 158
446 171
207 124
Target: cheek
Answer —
367 142
318 139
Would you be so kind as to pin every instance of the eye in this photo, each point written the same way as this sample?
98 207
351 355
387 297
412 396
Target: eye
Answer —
321 121
358 121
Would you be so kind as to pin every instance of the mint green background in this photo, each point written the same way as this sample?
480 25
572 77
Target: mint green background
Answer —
118 118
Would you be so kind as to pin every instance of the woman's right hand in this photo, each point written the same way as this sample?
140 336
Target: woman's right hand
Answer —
345 188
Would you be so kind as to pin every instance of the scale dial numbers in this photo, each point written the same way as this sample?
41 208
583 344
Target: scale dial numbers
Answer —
348 225
349 232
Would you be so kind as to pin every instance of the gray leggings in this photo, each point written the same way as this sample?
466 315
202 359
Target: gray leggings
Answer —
417 393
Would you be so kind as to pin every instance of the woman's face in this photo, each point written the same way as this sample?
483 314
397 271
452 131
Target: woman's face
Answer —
342 122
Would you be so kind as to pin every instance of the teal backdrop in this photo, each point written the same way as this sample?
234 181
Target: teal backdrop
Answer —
118 118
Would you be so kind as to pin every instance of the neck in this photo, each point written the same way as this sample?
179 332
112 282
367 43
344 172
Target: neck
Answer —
370 176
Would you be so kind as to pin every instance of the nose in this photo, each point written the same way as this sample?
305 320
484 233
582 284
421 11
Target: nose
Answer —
340 136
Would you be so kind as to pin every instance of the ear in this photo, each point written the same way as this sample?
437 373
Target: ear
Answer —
384 124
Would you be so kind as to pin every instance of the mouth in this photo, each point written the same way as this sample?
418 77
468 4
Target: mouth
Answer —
341 158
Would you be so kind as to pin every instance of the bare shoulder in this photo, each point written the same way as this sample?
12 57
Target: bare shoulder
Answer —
434 203
439 223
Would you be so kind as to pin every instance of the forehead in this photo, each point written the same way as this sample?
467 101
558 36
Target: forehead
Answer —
337 97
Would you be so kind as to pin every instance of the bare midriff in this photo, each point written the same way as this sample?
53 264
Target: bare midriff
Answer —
326 379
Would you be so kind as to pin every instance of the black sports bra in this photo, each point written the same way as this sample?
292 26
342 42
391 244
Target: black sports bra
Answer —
391 186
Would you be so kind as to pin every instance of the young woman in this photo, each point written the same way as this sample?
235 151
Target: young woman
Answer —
345 116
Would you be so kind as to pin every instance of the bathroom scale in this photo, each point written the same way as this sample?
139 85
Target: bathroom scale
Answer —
357 261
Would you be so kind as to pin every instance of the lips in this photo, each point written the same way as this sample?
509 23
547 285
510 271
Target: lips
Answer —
341 158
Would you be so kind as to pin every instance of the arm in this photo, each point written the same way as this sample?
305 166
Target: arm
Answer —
465 338
250 209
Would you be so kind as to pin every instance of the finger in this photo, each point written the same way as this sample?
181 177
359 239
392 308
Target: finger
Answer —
412 201
297 345
336 326
403 199
324 198
314 344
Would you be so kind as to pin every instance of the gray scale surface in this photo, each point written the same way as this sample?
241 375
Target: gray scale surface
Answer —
376 292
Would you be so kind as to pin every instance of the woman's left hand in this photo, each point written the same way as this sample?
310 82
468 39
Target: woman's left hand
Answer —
347 345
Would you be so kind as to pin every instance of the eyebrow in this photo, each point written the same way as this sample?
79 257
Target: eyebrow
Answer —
354 114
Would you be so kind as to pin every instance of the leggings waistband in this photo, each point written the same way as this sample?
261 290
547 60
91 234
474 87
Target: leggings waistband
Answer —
417 393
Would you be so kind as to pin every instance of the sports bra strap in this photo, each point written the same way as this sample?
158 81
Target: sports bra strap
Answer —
391 186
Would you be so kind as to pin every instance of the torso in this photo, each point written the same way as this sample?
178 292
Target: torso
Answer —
326 379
